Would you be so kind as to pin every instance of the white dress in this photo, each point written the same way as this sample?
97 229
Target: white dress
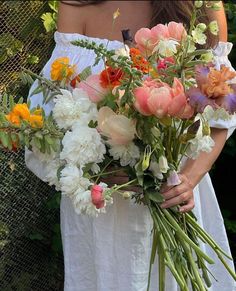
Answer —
111 252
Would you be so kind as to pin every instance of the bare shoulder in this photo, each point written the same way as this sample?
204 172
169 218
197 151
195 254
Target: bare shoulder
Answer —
220 17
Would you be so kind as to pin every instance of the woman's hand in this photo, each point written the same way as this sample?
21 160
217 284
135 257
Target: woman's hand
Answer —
181 194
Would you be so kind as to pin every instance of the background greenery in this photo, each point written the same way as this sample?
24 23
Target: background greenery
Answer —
30 243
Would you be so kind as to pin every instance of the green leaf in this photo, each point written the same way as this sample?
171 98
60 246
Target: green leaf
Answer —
49 21
85 73
53 5
37 90
154 195
4 138
11 102
36 236
48 139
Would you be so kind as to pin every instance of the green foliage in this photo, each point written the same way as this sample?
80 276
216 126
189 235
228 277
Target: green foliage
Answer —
50 18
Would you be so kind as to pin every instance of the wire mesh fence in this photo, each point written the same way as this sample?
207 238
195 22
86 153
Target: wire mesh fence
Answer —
29 214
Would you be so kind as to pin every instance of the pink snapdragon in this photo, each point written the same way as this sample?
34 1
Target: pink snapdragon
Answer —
97 196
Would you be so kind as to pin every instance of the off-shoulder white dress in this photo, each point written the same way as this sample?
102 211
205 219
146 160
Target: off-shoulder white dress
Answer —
111 252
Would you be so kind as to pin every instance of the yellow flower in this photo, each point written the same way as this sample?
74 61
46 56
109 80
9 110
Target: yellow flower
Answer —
116 13
61 69
21 112
36 120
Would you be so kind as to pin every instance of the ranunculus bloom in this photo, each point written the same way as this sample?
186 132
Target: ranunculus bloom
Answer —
92 85
147 39
97 196
111 77
61 69
119 129
213 89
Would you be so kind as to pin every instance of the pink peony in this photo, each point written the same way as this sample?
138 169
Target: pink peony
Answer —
97 196
119 129
147 39
93 88
176 30
159 101
144 41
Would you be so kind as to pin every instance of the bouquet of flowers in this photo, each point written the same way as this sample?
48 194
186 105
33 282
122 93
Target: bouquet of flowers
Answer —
148 109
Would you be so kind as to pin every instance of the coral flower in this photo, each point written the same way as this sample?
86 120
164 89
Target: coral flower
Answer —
111 77
139 61
213 89
61 69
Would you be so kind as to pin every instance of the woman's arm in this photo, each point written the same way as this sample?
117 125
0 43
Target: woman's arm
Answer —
194 170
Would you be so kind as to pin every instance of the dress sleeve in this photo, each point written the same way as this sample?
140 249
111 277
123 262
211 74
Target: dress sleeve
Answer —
221 53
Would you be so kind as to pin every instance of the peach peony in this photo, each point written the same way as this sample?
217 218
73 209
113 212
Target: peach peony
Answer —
119 129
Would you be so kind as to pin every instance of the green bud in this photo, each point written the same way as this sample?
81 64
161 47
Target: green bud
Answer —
198 4
206 130
208 57
146 158
126 194
202 26
213 26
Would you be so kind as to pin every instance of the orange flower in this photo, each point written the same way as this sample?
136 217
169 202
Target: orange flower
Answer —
61 69
139 61
21 112
111 77
216 85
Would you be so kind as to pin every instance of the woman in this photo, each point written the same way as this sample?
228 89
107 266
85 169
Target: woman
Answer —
112 252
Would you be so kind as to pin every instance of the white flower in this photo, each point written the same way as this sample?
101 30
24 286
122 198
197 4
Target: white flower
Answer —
71 107
51 170
166 47
124 52
200 144
127 154
173 179
213 26
198 36
215 114
155 169
72 180
163 164
82 145
83 203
